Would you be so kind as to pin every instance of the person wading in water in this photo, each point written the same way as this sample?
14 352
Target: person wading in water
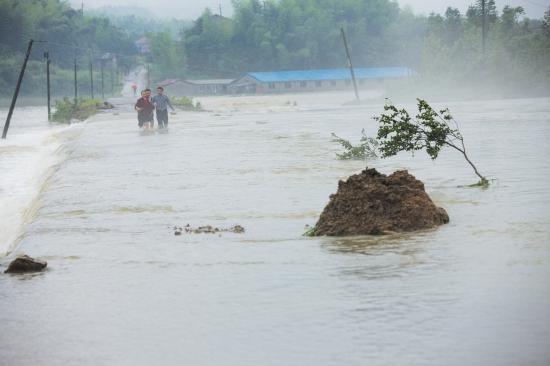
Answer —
162 102
145 109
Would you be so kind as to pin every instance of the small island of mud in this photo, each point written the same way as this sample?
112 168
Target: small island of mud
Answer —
371 203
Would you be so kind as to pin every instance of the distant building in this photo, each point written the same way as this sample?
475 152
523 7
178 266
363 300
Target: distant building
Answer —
314 80
143 45
177 87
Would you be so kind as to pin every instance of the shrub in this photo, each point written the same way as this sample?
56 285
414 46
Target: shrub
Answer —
66 110
365 150
186 103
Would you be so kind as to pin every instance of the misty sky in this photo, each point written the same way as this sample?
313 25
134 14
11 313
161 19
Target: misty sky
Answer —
190 9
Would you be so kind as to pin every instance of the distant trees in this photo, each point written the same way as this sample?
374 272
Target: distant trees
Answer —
207 44
445 49
546 24
286 34
303 34
516 57
474 14
63 27
167 55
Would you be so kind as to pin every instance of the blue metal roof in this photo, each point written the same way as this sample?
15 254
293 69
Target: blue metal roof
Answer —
331 74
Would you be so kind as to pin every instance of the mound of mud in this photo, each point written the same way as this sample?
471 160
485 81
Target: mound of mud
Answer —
371 203
24 264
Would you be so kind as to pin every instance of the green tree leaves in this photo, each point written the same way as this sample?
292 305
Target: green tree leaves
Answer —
429 130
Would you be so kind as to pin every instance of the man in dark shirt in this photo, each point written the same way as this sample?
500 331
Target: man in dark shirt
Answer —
145 109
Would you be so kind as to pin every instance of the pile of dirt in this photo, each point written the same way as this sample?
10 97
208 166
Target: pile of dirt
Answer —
371 203
25 264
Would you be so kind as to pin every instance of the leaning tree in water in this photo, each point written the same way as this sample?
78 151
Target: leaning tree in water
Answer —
429 130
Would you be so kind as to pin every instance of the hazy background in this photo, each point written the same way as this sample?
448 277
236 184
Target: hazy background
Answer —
442 41
190 9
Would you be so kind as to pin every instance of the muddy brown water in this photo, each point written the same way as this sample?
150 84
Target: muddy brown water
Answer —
121 289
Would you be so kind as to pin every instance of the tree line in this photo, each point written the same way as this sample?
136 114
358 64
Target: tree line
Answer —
70 35
305 34
445 49
514 55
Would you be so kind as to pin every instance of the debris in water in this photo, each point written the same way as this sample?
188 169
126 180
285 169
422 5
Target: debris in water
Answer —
309 231
208 229
104 105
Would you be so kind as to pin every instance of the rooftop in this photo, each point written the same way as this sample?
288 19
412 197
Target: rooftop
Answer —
211 81
331 74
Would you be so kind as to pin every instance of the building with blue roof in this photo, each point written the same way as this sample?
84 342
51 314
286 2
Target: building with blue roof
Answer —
315 80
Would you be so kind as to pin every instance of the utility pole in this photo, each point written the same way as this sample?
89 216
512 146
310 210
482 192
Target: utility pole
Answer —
483 26
47 57
102 82
91 79
75 84
112 82
220 9
350 64
16 93
148 76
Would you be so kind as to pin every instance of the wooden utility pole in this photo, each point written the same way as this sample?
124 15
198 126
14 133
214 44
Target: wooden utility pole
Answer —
47 57
16 93
91 79
102 82
75 84
350 64
112 81
148 76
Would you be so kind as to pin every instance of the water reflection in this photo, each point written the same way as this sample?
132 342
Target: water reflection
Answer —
401 243
391 256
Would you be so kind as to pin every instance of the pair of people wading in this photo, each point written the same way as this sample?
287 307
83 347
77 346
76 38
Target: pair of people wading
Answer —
146 106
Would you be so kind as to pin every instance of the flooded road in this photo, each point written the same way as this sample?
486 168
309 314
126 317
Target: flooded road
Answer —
121 289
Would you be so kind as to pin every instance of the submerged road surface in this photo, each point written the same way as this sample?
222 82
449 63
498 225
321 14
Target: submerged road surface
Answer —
122 289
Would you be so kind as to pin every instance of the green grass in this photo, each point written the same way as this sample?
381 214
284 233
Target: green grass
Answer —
66 110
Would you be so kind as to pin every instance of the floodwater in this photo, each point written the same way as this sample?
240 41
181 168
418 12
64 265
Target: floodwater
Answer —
99 201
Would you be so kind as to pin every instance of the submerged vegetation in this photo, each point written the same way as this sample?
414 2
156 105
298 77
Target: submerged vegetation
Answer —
66 110
365 150
186 103
429 130
310 231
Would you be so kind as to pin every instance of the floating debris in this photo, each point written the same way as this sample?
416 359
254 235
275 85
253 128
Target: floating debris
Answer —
208 229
